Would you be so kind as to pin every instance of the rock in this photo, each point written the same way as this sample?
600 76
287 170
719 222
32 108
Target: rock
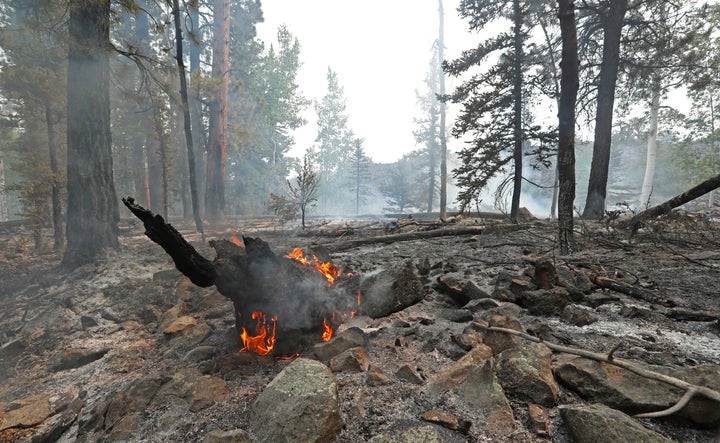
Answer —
460 289
234 436
453 375
387 292
299 405
408 374
540 420
180 325
410 431
54 427
518 286
601 424
74 358
546 302
524 215
376 377
457 315
545 276
633 394
446 420
87 322
172 314
150 314
500 341
199 391
502 290
31 411
481 391
352 360
167 277
527 372
201 353
348 339
578 315
10 353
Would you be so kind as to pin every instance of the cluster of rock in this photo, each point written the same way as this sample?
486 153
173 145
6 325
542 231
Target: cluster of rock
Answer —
418 367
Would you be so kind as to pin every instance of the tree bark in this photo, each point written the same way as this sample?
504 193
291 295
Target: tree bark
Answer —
3 192
703 188
443 139
218 108
517 112
186 118
569 83
651 156
612 23
196 110
55 185
92 220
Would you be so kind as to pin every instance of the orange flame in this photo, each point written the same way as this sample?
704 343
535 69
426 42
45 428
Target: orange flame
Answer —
327 331
329 270
263 342
237 241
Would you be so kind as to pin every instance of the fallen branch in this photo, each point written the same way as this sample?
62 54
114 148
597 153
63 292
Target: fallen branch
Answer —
632 291
667 206
690 389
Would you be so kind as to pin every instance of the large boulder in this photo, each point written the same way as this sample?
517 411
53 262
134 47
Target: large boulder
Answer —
526 371
390 291
601 424
299 405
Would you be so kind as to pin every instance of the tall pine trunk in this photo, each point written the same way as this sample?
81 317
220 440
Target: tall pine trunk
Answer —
196 111
3 192
186 118
517 112
651 156
569 83
612 23
58 236
443 140
218 109
92 218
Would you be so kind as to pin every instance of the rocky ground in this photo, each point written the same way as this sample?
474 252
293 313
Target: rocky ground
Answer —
129 350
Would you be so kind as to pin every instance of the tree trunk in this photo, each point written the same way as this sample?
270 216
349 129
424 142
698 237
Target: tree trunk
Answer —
703 188
58 237
139 150
612 24
196 110
186 118
569 84
217 141
517 112
651 157
92 220
3 192
443 141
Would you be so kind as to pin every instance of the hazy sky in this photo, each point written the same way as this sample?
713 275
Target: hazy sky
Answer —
381 51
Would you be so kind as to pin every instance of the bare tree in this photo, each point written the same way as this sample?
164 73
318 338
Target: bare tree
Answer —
304 190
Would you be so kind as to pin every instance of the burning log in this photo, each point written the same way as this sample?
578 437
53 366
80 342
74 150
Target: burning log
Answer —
281 303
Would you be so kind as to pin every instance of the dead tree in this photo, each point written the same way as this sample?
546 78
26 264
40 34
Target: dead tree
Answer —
667 206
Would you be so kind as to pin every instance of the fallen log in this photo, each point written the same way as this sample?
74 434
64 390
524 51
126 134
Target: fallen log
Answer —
293 297
664 208
420 235
623 288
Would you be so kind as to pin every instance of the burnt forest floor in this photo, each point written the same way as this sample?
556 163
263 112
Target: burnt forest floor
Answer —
87 334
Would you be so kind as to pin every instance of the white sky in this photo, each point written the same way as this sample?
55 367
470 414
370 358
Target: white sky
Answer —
381 51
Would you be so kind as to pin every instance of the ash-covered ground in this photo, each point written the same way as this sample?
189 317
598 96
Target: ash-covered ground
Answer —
129 350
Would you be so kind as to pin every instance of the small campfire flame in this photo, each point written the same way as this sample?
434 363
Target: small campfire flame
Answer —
329 270
263 342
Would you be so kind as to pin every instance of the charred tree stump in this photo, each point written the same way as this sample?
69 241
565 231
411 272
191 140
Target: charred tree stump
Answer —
258 280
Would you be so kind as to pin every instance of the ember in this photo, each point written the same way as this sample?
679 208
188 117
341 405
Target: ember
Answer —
263 342
329 270
237 241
